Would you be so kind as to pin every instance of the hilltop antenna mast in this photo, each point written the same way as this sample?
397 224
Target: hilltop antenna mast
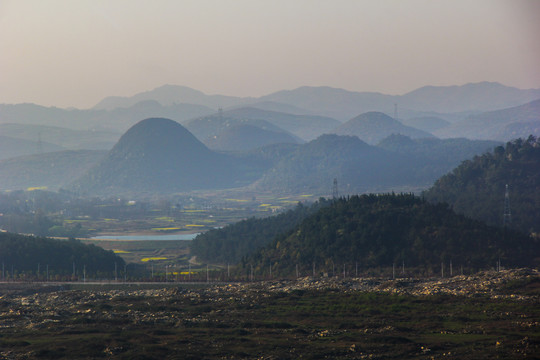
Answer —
335 193
507 216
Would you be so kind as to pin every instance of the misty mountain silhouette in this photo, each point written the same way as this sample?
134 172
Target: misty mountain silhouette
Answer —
246 137
359 167
373 126
307 127
159 155
504 125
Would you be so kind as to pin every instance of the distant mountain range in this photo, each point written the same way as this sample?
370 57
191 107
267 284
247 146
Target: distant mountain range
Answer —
116 120
343 105
161 156
246 137
373 126
307 112
168 95
306 127
398 163
504 125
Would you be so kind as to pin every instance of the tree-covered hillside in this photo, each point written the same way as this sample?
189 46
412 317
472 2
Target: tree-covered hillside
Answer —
358 167
476 188
381 230
231 243
430 158
26 254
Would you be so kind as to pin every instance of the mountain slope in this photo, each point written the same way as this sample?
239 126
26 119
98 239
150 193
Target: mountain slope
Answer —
51 170
426 123
160 156
67 138
235 241
115 120
476 188
380 230
246 137
212 125
307 127
13 147
372 127
168 95
342 104
431 157
504 125
359 167
482 96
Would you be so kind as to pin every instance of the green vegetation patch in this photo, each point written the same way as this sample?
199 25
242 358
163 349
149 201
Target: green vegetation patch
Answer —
245 324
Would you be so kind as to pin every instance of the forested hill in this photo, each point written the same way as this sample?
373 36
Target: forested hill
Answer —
476 188
231 243
25 254
380 230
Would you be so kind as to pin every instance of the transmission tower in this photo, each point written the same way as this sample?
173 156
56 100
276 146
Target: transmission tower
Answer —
335 190
507 216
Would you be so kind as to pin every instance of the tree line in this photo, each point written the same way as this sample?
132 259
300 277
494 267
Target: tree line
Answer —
31 255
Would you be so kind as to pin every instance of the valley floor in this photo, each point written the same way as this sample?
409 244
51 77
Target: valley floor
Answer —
484 316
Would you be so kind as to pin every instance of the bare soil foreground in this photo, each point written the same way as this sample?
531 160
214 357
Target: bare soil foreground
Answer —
488 315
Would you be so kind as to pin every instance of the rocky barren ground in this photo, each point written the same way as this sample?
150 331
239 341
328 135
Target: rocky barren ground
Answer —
483 316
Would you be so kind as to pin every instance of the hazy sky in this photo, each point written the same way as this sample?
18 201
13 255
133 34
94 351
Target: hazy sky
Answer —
75 52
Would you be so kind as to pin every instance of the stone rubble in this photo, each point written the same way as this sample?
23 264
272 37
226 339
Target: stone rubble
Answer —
23 309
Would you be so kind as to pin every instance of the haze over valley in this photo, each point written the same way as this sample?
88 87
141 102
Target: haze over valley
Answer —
345 179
